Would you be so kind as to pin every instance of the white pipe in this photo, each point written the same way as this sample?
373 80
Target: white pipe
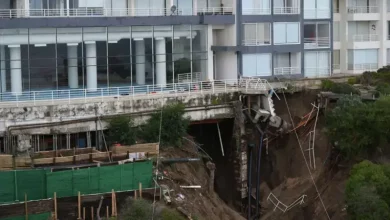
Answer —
220 139
16 69
3 70
140 62
191 187
73 78
91 66
74 36
161 64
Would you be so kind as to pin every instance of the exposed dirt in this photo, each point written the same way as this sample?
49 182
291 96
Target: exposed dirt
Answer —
199 202
286 174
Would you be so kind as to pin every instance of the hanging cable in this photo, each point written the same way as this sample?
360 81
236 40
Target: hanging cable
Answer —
158 157
303 154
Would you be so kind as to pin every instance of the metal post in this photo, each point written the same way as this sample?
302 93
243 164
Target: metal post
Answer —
220 139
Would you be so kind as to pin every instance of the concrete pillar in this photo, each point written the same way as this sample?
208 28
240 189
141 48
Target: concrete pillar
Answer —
73 76
16 69
140 62
90 52
161 64
210 55
343 37
67 7
382 34
3 69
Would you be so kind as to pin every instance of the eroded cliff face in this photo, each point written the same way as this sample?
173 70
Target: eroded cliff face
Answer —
288 171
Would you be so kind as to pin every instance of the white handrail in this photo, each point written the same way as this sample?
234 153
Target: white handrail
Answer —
362 9
286 10
256 11
317 42
363 66
112 12
365 37
287 70
32 98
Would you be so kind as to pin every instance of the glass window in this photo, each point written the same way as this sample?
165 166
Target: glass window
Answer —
286 33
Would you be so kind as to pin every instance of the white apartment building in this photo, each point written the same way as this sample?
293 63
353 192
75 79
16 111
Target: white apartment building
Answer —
361 31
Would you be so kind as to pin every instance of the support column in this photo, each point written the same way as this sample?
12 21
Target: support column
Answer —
3 69
343 37
16 69
90 48
140 62
210 55
67 8
382 34
73 76
161 64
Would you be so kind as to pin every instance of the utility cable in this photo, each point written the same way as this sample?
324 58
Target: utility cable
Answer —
158 156
303 154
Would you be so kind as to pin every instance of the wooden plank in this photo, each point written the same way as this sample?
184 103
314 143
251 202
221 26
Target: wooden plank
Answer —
150 148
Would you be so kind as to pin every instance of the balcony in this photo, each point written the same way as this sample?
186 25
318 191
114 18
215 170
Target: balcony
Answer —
286 71
317 13
256 42
256 11
363 67
365 37
286 10
362 9
317 72
112 12
319 42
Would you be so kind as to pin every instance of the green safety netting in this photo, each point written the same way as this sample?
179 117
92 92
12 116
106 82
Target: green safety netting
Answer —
42 216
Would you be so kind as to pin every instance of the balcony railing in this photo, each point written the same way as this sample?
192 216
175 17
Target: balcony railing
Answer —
286 10
287 70
317 13
317 42
365 37
362 9
363 66
336 67
256 42
112 12
33 98
316 72
256 11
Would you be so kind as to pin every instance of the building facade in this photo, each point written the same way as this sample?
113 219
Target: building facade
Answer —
361 35
91 44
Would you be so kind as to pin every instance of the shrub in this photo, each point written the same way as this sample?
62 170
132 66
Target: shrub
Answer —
169 214
367 191
352 81
366 78
139 209
173 128
340 88
327 84
121 130
383 88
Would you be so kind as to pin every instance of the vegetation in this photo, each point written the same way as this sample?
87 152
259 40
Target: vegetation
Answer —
170 214
357 128
341 88
121 130
173 127
368 191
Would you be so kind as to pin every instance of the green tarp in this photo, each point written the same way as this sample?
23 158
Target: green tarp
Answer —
43 216
41 184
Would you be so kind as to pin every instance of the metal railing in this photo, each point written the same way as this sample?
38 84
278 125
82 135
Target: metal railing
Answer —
363 66
112 12
336 66
256 42
189 77
287 70
286 10
317 42
32 98
362 9
256 11
317 72
316 13
365 37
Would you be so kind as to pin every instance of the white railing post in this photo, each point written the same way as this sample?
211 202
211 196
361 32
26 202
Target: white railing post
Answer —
52 97
147 90
101 94
132 88
85 95
117 88
34 97
69 96
225 86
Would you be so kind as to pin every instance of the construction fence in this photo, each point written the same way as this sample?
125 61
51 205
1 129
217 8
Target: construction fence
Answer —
41 184
42 216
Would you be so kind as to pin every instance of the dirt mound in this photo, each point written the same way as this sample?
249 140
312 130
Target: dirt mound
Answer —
198 202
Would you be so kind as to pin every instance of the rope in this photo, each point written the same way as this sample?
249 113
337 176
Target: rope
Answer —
158 156
303 154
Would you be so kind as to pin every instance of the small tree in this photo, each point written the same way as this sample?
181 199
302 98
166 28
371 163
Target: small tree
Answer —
121 130
139 209
170 214
173 128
